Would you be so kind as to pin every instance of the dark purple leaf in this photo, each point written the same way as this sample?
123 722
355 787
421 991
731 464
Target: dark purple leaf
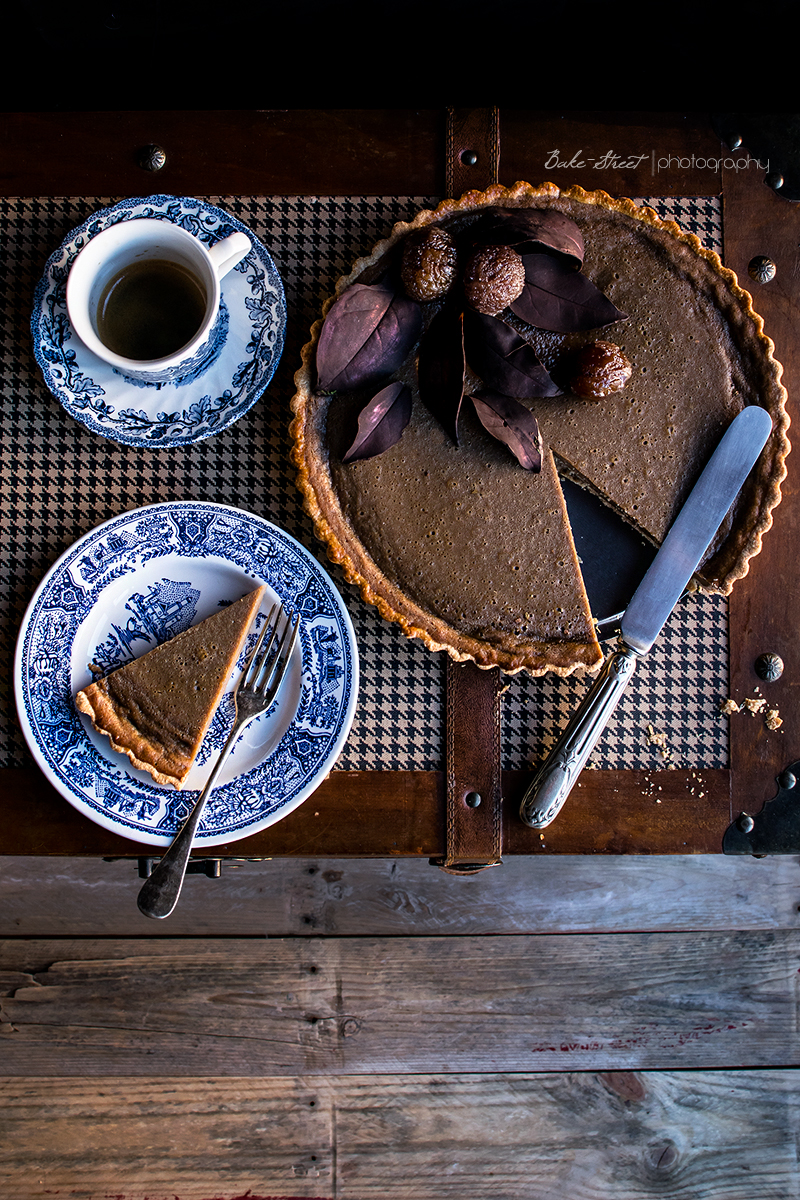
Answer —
350 322
440 368
503 359
532 229
558 298
511 422
367 334
381 422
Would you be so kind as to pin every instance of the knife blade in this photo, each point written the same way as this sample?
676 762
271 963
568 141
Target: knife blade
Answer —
672 568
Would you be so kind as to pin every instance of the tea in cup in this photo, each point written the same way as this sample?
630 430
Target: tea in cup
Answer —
144 296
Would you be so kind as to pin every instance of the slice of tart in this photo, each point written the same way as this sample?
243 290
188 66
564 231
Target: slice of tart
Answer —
156 709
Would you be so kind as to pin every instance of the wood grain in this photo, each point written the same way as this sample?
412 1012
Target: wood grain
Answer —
166 1139
764 605
631 1135
332 152
367 1005
292 152
349 897
379 814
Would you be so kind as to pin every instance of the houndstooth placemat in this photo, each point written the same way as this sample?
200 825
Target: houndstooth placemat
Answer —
59 481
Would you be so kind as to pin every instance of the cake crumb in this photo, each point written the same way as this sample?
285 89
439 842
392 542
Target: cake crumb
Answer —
757 706
773 720
659 740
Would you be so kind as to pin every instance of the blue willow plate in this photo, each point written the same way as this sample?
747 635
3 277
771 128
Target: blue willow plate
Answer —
131 583
238 365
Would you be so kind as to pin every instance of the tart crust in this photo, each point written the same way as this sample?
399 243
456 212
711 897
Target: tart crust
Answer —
732 328
156 710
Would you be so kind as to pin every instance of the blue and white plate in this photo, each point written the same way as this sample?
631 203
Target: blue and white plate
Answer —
131 583
217 391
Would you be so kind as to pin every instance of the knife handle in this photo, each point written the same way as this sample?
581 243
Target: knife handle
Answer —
556 777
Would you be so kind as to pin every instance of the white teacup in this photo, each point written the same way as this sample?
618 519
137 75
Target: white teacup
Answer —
144 296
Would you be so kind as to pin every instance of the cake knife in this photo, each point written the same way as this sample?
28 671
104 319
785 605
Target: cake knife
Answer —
686 542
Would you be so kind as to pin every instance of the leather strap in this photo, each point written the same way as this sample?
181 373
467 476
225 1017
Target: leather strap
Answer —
474 827
473 821
472 146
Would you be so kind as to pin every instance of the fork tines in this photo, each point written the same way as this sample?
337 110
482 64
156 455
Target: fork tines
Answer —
263 664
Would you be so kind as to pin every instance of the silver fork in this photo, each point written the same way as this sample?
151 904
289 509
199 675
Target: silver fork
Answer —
255 691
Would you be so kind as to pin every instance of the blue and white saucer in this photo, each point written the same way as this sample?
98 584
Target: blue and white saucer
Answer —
144 576
209 396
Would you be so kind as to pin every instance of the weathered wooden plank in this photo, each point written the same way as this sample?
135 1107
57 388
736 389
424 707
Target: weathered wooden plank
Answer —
576 1136
621 1135
447 1004
166 1138
350 897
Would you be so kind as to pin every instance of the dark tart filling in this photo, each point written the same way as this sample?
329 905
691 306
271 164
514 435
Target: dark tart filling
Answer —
156 709
473 554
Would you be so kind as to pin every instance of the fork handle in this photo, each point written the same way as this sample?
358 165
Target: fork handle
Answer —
160 892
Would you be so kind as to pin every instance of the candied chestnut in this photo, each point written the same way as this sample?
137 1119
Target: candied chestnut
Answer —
430 260
493 278
599 370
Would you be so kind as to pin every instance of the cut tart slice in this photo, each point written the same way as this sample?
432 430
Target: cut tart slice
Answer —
157 709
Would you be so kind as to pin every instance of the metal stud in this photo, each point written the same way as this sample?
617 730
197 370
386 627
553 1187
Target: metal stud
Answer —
769 667
472 799
746 823
761 268
469 158
151 158
775 180
787 780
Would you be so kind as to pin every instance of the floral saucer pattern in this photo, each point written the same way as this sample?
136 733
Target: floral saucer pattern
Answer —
142 577
226 380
